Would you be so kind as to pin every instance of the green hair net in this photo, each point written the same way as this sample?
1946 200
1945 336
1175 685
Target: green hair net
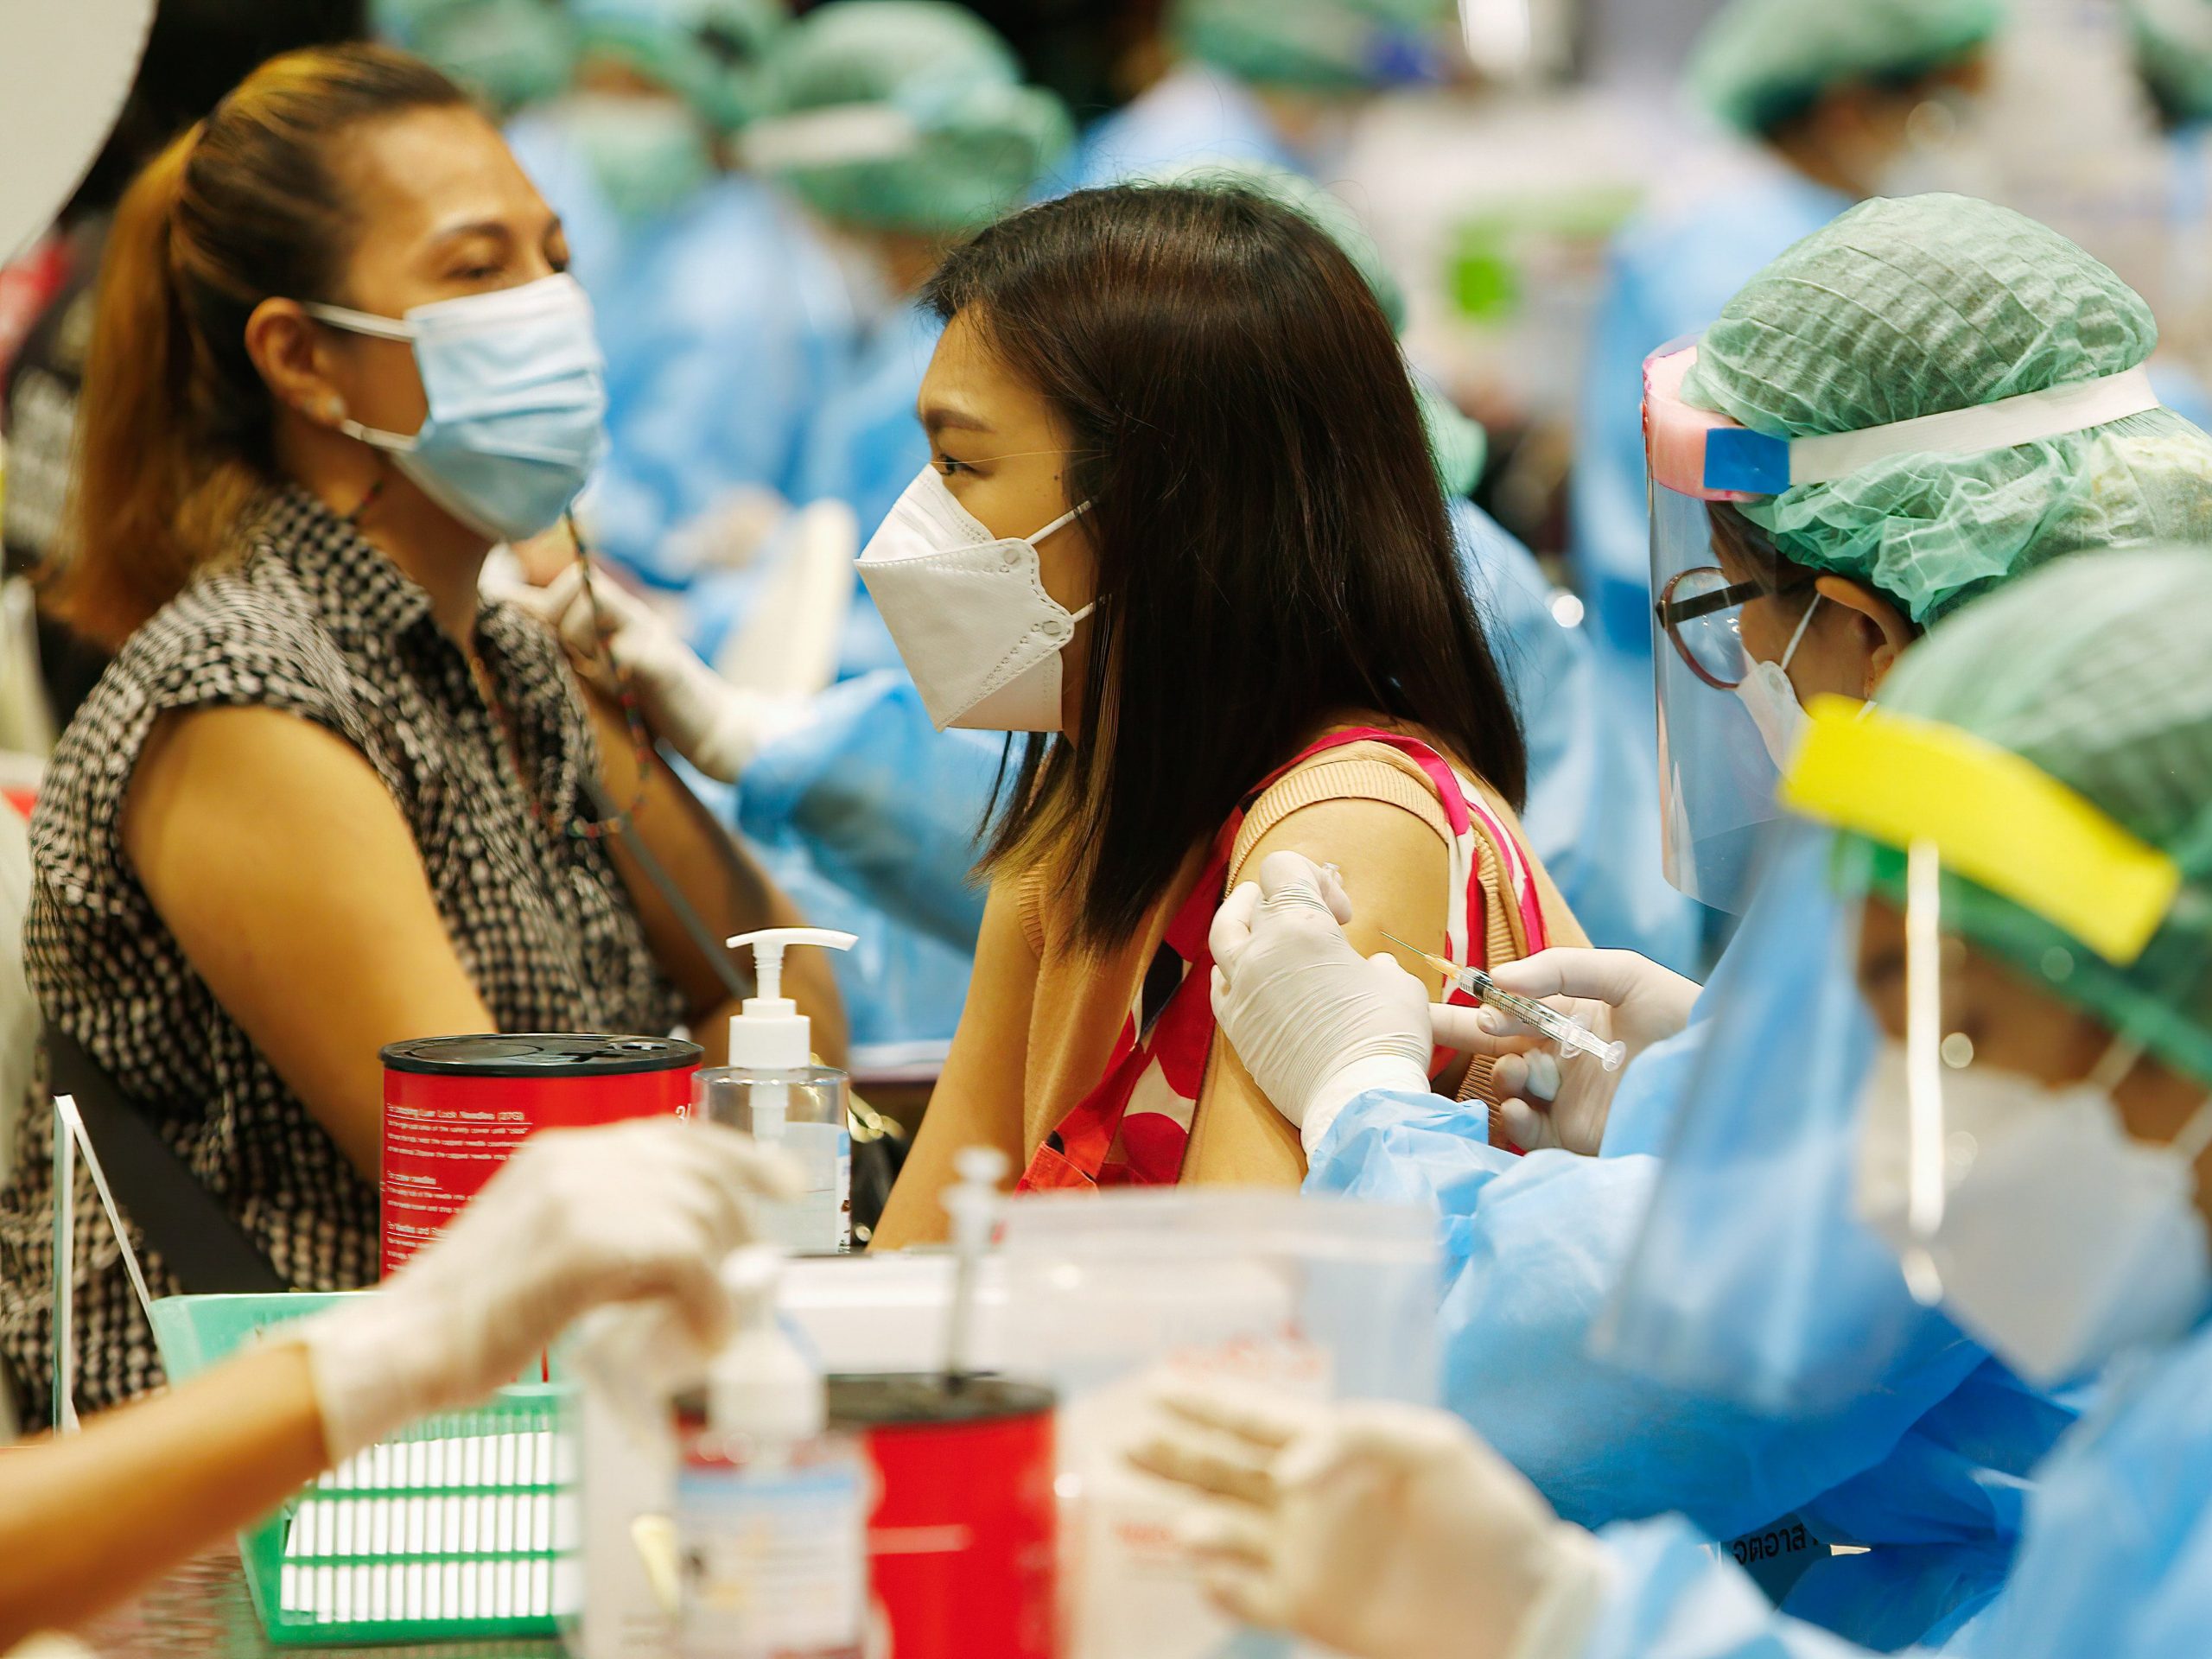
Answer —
1761 62
2173 52
707 52
1329 46
507 52
1912 307
2095 670
986 139
1460 444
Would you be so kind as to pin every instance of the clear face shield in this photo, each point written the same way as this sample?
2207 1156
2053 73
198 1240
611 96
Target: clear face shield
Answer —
2015 955
1726 613
1912 1133
1752 1278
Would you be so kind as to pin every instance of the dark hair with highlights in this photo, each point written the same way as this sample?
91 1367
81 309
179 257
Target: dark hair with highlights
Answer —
1273 543
174 431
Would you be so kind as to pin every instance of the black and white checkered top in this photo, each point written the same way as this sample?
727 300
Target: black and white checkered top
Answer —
316 622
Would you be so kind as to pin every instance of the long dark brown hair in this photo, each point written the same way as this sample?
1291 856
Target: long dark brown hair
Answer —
1273 543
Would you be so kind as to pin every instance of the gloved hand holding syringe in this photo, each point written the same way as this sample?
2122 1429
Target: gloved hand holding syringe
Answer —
1572 1036
1316 1025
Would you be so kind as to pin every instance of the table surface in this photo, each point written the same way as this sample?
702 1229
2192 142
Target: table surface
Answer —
203 1608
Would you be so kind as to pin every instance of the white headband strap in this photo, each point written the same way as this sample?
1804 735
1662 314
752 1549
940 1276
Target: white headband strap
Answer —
833 136
2005 425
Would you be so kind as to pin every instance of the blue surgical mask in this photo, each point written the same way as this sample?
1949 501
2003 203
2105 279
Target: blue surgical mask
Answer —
517 392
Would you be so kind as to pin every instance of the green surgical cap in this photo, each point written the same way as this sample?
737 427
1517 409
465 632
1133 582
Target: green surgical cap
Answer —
1460 444
707 52
1761 62
510 53
985 140
1901 308
1312 44
2173 52
2096 671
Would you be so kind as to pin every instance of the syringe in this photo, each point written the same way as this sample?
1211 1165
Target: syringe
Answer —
1572 1038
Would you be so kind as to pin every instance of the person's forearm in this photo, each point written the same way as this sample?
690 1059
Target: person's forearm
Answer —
86 1522
718 879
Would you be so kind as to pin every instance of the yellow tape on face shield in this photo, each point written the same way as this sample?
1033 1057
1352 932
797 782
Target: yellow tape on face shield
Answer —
1996 818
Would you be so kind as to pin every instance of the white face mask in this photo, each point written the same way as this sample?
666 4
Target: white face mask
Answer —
2063 1240
1772 702
968 611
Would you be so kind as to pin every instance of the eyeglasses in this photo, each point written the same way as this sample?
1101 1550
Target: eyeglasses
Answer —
1702 613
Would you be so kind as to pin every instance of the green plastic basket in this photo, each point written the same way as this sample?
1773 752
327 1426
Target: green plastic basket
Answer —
463 1526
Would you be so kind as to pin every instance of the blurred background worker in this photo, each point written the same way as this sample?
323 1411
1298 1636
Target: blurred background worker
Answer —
1248 80
902 127
701 278
1834 98
2010 1087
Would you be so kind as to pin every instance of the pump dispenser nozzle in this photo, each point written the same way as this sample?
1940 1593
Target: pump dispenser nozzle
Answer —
771 1034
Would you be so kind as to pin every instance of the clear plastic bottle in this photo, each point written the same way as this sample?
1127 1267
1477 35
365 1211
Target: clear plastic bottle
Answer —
770 1510
772 1090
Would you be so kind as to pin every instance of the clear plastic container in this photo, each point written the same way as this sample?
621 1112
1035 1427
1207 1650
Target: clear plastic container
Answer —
801 1111
1110 1295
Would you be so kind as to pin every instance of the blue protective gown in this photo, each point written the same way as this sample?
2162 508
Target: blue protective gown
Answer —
1666 278
1593 811
864 447
2114 1560
1925 1464
1191 114
723 322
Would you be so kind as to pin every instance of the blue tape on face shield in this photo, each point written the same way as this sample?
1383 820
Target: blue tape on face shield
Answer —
517 396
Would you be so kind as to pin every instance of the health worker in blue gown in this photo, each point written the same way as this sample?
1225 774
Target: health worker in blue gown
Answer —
1826 95
1770 600
1259 82
901 127
720 317
2003 1074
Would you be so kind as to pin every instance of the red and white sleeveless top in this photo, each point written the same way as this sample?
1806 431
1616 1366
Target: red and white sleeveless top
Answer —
1134 1127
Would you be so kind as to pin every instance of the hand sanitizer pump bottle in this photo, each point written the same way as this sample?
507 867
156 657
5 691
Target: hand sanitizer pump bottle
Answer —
772 1090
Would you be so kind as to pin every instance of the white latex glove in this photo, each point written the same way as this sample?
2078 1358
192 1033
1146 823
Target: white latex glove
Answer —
1553 1100
717 727
638 1212
1315 1023
1381 1531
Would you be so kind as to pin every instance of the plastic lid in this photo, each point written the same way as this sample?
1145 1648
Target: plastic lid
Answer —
761 1384
930 1398
540 1054
770 1033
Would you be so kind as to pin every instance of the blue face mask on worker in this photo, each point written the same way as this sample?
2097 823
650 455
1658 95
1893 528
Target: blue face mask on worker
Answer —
517 393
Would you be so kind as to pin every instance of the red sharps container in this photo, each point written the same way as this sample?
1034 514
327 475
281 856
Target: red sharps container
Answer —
962 1547
455 1108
